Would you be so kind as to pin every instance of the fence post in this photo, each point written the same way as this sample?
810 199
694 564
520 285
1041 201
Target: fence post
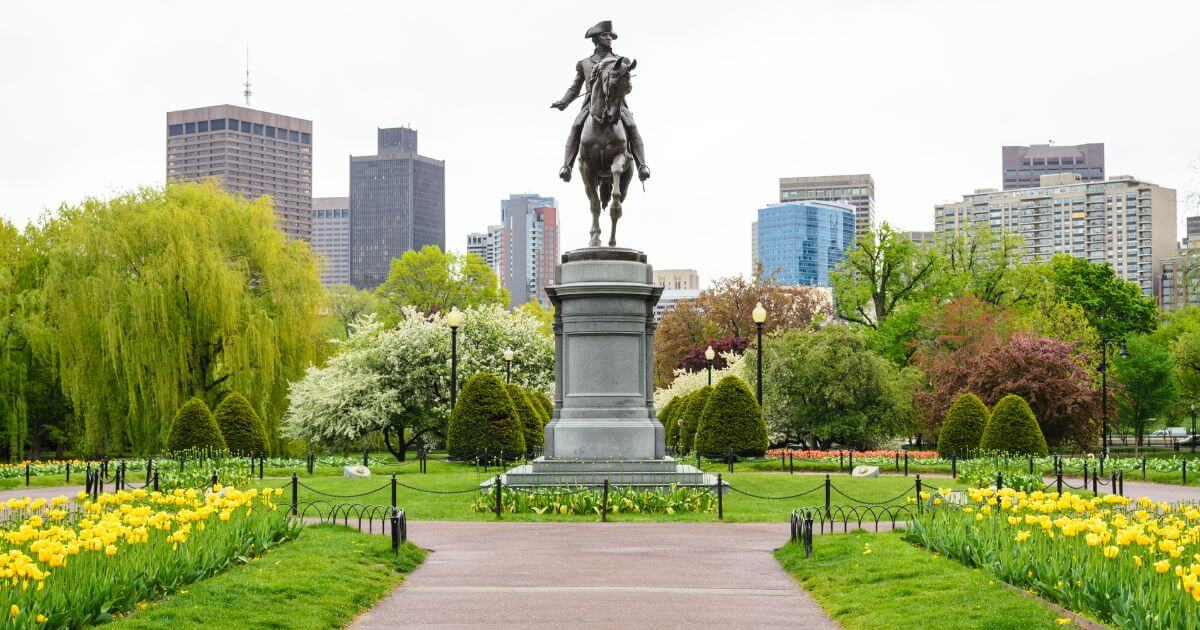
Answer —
156 481
393 492
1112 483
851 466
1031 464
214 477
98 487
1095 483
783 460
295 494
1058 480
395 531
1085 475
999 480
149 468
920 503
897 461
604 501
828 515
87 480
1184 472
121 476
841 459
720 498
1103 456
68 472
905 463
1143 467
1121 479
698 467
791 463
27 474
310 463
954 466
365 452
499 505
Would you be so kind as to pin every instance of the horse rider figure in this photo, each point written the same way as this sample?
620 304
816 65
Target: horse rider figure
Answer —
602 36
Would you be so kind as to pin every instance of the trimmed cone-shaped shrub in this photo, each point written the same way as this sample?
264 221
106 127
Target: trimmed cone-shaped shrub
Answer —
666 416
195 427
241 427
1013 429
691 417
543 403
484 421
732 419
962 430
531 419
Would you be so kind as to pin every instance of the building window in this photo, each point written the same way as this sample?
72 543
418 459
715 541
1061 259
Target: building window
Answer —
174 130
270 131
217 125
258 129
189 127
305 138
245 127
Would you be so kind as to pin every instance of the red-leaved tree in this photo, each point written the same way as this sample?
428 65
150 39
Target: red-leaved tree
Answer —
694 361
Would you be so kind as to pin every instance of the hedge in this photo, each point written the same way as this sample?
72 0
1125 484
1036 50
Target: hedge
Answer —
543 403
484 421
666 416
241 427
962 430
1014 429
531 419
691 417
732 419
195 427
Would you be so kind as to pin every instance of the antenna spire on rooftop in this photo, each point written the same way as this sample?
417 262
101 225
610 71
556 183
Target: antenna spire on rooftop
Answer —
247 83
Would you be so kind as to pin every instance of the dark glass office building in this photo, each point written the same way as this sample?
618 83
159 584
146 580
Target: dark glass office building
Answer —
397 203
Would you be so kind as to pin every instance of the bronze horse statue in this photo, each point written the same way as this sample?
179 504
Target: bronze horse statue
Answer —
605 161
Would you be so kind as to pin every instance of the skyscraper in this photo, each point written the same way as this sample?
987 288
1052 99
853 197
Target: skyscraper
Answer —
858 190
529 246
1122 221
397 203
331 238
252 153
800 242
1023 166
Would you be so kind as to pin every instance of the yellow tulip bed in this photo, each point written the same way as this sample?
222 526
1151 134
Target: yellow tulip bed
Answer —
1134 563
67 565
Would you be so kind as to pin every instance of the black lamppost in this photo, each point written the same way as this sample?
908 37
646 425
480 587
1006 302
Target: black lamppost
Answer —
709 355
508 357
1193 440
1104 344
760 316
454 319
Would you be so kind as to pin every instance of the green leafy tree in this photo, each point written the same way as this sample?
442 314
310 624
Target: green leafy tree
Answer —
241 427
1013 429
1145 384
881 271
981 262
163 294
531 420
16 356
543 403
485 421
433 281
545 316
826 386
346 305
962 430
696 402
732 419
1116 308
195 428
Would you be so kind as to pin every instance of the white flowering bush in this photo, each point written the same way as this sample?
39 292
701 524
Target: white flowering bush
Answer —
687 382
397 380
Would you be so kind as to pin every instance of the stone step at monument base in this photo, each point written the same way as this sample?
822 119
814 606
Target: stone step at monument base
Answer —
635 473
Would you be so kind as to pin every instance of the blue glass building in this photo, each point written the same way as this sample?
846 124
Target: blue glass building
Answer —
799 242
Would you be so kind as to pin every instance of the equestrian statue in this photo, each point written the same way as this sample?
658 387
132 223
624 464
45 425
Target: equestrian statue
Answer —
604 134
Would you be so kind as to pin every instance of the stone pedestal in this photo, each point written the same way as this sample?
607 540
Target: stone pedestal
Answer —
604 425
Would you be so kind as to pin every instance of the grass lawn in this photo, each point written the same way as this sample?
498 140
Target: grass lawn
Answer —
899 585
323 579
444 476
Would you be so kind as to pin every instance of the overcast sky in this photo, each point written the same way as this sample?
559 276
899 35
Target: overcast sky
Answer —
730 96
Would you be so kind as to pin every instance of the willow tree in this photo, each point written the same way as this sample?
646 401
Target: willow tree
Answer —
14 348
163 294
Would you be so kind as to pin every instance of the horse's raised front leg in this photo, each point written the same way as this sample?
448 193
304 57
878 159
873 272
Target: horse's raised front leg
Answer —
589 185
619 166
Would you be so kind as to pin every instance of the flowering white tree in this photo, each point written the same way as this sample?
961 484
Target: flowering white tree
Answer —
687 382
397 380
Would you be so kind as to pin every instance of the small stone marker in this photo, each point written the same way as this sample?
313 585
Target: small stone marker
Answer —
356 472
865 471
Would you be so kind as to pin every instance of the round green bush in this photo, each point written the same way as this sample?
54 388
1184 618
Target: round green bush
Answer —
962 430
241 427
691 417
195 427
531 418
732 419
666 416
484 421
543 403
1013 429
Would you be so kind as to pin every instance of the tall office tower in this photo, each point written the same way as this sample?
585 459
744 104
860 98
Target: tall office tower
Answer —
331 238
1023 166
800 242
252 153
672 279
858 190
397 203
529 246
487 245
1122 221
478 244
1191 237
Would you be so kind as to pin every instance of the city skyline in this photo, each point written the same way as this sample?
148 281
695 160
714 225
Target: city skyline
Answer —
924 148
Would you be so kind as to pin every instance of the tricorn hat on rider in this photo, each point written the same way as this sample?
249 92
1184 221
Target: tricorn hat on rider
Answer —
600 27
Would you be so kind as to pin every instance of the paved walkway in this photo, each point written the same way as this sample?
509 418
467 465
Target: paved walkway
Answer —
597 575
41 493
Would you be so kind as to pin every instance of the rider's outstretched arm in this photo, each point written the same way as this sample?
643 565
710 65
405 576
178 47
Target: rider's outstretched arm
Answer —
573 91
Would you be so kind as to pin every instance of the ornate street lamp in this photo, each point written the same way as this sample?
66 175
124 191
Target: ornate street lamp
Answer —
709 355
1104 344
760 316
508 357
454 319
